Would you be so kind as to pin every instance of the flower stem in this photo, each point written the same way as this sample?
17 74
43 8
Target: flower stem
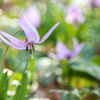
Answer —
7 50
81 98
70 78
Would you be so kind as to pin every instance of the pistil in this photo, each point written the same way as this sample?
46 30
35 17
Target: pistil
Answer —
30 46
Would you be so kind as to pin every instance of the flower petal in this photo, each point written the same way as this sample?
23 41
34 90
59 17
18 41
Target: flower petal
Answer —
48 33
28 32
75 42
61 49
52 55
8 43
13 40
31 26
77 48
56 56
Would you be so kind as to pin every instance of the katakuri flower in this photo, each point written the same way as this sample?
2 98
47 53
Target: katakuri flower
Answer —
34 15
32 36
96 3
63 52
73 14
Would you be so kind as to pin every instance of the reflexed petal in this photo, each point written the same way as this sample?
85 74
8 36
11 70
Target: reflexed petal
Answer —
52 55
13 40
62 56
56 56
48 33
8 43
28 32
75 42
31 26
77 50
61 49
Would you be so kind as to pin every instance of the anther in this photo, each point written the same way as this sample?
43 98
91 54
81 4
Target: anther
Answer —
26 40
33 48
27 48
30 51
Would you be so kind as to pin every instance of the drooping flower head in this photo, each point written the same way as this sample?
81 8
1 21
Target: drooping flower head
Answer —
96 3
32 36
63 52
73 14
34 15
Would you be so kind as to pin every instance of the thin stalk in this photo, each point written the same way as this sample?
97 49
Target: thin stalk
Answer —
7 50
81 98
69 77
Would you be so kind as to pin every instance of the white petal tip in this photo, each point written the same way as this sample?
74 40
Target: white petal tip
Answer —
16 19
24 15
58 23
32 56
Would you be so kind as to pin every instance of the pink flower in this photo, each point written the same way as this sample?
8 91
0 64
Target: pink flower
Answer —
73 14
63 52
32 36
96 3
34 15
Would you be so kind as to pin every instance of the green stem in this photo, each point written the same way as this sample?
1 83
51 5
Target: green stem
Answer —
70 77
6 51
82 98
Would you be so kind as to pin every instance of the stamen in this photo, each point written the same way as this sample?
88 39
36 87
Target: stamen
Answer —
26 40
33 48
31 53
27 48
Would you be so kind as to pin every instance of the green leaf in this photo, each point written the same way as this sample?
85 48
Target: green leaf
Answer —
69 97
96 59
3 80
21 89
81 94
25 66
89 68
67 94
96 91
60 91
1 57
1 1
4 95
3 87
32 68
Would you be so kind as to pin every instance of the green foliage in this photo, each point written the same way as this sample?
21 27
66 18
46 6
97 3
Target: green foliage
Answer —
79 94
21 89
32 69
85 67
3 86
1 57
72 76
1 1
69 97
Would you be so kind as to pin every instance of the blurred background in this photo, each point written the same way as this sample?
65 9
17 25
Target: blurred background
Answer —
77 78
